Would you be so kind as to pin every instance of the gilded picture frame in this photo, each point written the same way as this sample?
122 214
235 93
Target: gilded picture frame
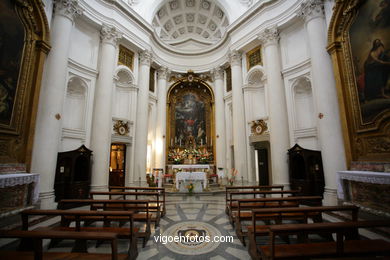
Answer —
356 30
22 88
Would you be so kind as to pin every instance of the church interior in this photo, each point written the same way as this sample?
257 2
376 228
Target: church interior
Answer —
194 129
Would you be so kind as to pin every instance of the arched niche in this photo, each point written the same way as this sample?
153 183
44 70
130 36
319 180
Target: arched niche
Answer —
255 81
190 121
303 104
75 105
124 82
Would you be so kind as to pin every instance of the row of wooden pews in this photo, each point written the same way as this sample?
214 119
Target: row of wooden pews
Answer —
295 226
128 206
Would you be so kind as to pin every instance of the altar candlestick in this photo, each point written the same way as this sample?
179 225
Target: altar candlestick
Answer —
201 142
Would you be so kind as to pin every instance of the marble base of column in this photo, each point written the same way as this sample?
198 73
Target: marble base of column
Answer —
46 200
330 197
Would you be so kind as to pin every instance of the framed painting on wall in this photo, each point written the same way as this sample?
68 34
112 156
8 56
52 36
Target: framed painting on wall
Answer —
359 43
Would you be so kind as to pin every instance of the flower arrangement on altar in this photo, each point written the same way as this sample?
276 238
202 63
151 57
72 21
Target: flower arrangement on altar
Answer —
200 155
232 177
176 156
190 187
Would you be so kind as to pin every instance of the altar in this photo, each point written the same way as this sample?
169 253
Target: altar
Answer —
191 173
185 178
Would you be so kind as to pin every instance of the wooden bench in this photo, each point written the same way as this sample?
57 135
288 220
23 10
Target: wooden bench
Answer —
140 209
143 189
38 235
244 207
252 188
154 201
352 246
234 196
77 216
299 214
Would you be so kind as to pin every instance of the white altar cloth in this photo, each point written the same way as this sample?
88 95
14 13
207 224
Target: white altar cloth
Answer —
190 166
13 179
360 176
192 176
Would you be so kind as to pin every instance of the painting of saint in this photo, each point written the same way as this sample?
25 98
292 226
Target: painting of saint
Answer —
11 50
370 45
190 120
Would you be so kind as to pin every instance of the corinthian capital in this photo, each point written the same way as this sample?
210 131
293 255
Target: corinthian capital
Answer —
145 58
163 73
269 36
217 73
235 58
311 9
68 8
109 34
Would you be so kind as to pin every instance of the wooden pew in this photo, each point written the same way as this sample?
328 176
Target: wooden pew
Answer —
252 188
140 209
278 215
234 196
38 254
352 246
143 189
244 207
85 215
154 201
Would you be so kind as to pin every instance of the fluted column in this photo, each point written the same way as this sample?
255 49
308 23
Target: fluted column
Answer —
278 121
141 132
239 134
44 158
219 120
162 79
324 90
102 113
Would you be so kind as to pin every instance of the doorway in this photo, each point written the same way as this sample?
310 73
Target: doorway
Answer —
117 165
262 161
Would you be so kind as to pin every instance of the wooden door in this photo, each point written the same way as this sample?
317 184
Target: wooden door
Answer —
262 158
117 165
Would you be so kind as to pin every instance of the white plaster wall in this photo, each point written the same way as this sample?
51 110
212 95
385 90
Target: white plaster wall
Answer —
48 6
293 45
84 46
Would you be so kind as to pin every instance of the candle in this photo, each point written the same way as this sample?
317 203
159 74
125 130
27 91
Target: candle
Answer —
171 141
211 142
201 141
206 139
180 142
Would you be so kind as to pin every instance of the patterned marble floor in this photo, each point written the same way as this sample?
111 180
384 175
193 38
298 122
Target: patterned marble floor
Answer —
200 212
195 209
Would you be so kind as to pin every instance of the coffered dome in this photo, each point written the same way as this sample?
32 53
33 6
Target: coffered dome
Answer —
190 25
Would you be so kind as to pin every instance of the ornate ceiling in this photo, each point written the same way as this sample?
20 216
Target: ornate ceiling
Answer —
190 24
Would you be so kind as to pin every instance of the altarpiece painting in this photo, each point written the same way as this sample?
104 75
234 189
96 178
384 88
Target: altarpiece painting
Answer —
190 122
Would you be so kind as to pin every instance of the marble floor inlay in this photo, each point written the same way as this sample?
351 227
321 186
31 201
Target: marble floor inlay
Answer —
195 215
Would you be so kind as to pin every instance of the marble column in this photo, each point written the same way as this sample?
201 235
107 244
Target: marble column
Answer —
162 79
324 90
239 132
141 129
49 124
102 112
278 121
218 74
